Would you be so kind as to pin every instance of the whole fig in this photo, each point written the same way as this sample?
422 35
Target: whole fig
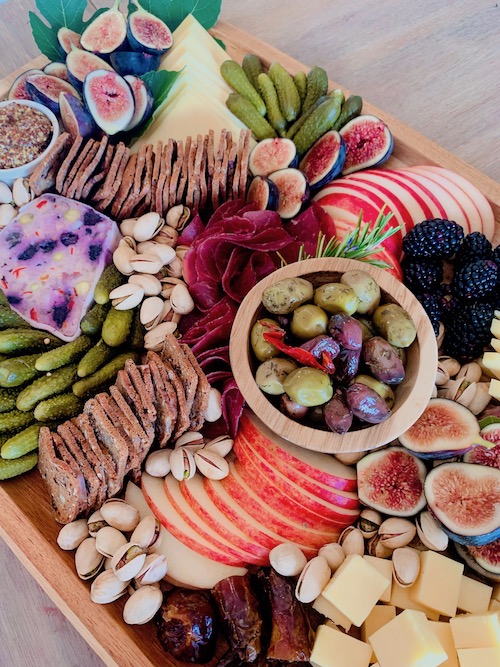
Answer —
366 404
383 361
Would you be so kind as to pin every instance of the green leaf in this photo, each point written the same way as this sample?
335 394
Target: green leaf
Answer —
173 12
45 38
63 13
160 83
220 43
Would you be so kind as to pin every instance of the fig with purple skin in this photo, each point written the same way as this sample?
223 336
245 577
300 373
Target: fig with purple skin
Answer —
346 330
80 63
263 193
107 32
466 556
346 365
324 160
293 191
337 414
292 409
109 99
271 155
18 89
366 404
133 62
75 119
382 360
143 101
68 39
368 143
148 33
57 69
46 89
487 556
483 455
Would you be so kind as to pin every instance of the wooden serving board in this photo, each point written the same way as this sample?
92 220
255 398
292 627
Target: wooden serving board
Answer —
26 522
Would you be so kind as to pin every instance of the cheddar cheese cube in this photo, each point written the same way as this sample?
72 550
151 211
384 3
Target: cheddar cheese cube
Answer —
496 592
474 596
495 328
378 617
476 630
479 657
494 605
402 599
443 633
323 606
408 641
491 361
333 648
438 584
384 566
355 588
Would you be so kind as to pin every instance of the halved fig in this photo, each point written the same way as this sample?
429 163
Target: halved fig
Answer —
392 481
18 89
143 101
57 69
324 160
74 117
133 62
272 155
68 39
487 556
293 191
46 89
465 499
147 33
368 142
444 429
107 32
80 63
263 193
464 554
109 99
486 456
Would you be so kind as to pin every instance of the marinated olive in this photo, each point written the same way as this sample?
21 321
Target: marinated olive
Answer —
272 373
337 414
382 360
261 348
346 365
308 387
309 321
367 328
336 298
367 290
366 404
286 295
382 389
346 331
395 325
291 409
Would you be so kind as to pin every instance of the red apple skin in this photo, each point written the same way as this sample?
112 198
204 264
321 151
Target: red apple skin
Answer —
262 444
426 198
289 479
157 500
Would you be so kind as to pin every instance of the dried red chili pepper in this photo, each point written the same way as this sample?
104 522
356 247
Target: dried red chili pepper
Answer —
276 336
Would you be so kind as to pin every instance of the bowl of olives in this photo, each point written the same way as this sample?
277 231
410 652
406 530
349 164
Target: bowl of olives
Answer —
334 355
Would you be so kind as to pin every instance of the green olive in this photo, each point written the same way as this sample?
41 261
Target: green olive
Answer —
286 295
366 288
395 325
382 389
401 352
261 348
272 373
367 328
336 298
308 386
309 321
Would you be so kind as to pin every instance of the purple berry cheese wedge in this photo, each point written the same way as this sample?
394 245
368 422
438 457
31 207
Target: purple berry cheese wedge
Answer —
53 254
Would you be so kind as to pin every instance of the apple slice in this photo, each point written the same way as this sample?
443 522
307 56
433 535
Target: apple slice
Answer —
179 503
426 198
186 567
322 467
167 515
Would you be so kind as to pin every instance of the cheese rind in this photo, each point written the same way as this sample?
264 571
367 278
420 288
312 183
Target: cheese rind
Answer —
474 596
476 630
479 657
333 648
384 566
443 633
438 584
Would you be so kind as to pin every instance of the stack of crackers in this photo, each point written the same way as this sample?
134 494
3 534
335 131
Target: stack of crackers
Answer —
88 458
200 172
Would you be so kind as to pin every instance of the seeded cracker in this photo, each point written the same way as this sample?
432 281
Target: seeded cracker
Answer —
173 352
104 191
131 200
203 175
176 170
158 156
210 159
200 403
92 165
76 166
125 187
91 480
200 152
183 176
244 165
101 175
66 165
237 172
217 167
190 174
94 460
119 421
166 400
109 436
223 169
165 191
126 389
117 180
183 420
68 458
145 192
100 450
88 159
231 169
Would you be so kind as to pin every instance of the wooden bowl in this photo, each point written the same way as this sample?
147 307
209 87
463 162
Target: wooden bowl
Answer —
412 395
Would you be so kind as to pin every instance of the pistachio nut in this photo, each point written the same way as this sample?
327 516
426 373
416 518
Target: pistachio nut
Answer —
72 534
127 226
193 440
157 463
313 579
450 365
164 252
214 407
7 214
210 464
481 397
449 390
128 242
369 522
106 588
171 316
95 522
142 605
440 336
121 259
376 547
127 561
442 375
405 566
467 392
178 216
88 561
5 193
21 192
120 514
434 392
154 339
287 559
471 372
134 585
151 313
167 285
182 464
181 300
147 263
147 226
147 533
150 284
396 532
107 564
430 532
154 569
352 541
349 459
221 445
108 540
174 268
126 297
181 251
167 236
334 554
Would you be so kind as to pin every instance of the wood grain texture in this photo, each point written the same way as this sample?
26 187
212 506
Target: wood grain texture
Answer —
432 65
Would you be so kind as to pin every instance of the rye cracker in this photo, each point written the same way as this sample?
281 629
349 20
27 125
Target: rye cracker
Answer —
67 163
109 436
88 159
173 353
118 178
231 169
92 165
210 158
127 390
224 167
120 422
145 192
91 481
176 171
66 456
203 175
145 391
237 172
145 440
244 164
200 403
44 176
162 192
102 173
183 420
156 174
190 176
200 152
76 166
125 186
132 199
217 167
94 460
104 191
166 400
184 174
101 452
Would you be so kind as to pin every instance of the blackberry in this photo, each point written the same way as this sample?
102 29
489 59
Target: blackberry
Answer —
496 255
422 275
474 246
468 332
433 239
431 303
475 280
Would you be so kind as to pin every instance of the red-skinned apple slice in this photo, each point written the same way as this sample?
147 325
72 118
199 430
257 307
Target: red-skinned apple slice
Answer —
168 516
426 198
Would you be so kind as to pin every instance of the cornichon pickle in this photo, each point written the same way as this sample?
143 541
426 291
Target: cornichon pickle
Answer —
351 108
19 339
247 113
116 327
16 467
15 420
105 375
3 300
8 399
49 385
61 356
252 66
137 333
288 94
109 280
320 121
234 74
91 323
270 96
22 443
18 370
96 357
62 406
293 129
300 81
9 318
317 86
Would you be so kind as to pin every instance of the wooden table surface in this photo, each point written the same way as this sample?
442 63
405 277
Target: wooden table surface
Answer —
433 65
